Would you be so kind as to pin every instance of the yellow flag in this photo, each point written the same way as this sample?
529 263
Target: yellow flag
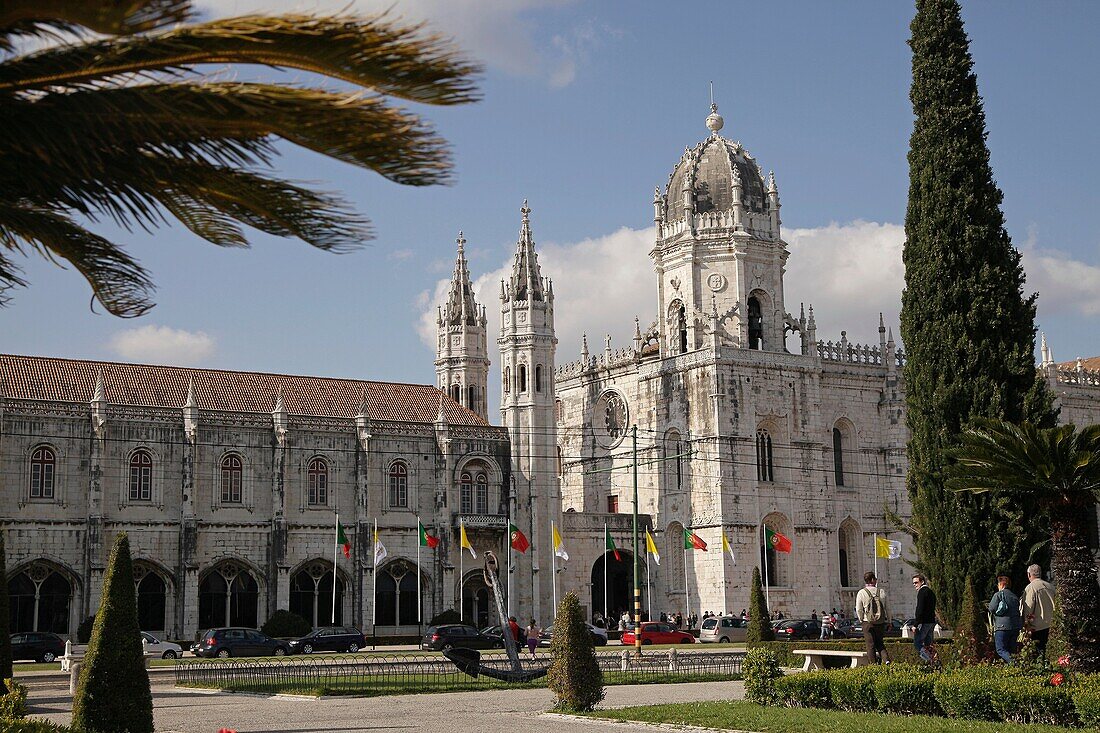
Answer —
559 548
464 541
889 549
651 547
727 548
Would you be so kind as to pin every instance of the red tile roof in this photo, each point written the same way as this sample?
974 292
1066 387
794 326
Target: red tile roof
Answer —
71 380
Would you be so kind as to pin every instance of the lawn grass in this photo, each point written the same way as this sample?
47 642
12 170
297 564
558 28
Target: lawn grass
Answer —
747 716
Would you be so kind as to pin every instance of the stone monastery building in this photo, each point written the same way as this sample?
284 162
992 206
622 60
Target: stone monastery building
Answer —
229 483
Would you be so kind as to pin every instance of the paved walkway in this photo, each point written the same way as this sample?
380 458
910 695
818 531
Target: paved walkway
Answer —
496 711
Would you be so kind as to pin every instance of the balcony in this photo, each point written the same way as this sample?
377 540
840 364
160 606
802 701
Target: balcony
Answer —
475 521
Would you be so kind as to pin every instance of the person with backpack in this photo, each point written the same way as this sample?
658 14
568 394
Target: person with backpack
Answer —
1004 607
871 610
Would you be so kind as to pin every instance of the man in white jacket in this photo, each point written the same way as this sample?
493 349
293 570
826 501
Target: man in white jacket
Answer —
873 613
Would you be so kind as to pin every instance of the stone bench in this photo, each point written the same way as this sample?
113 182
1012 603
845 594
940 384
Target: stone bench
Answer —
74 654
815 658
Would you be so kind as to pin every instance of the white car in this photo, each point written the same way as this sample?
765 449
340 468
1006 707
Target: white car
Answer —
599 636
163 649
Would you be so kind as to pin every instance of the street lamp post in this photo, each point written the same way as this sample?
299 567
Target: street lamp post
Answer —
637 573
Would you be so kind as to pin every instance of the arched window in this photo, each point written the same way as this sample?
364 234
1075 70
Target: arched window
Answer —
311 594
756 325
764 467
395 595
43 469
471 397
456 393
317 481
481 498
141 475
507 380
674 463
39 599
399 485
232 473
152 594
466 485
522 369
678 327
848 541
838 456
228 596
538 377
559 411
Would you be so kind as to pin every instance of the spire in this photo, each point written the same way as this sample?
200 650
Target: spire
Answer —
279 409
771 183
1047 357
461 306
100 395
190 402
584 349
526 279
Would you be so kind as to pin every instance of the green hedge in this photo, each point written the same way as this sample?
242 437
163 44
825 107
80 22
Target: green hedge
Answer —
907 690
854 690
1087 703
13 704
967 694
809 690
1023 700
35 726
899 651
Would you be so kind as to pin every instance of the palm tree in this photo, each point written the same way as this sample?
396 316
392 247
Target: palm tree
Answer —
1059 468
122 124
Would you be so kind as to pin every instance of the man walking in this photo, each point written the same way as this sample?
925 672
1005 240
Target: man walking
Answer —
1037 608
872 612
924 618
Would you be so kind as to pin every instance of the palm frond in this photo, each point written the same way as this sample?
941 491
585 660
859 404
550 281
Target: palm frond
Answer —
118 281
372 52
109 17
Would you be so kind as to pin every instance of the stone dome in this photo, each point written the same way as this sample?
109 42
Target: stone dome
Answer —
711 166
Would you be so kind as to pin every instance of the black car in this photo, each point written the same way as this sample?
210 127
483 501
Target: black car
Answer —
452 636
40 646
493 632
795 629
238 642
329 639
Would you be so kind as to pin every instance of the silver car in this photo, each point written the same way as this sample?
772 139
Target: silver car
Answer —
723 630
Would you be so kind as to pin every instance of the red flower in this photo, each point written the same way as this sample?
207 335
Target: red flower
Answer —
227 730
1063 661
1057 679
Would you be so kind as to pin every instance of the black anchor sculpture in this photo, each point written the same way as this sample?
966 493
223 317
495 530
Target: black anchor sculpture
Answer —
469 660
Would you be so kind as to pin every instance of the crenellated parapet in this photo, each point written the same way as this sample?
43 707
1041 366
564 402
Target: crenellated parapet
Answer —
852 353
1079 376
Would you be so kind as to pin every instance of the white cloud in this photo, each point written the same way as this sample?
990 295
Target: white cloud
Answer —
400 255
499 33
163 345
1065 285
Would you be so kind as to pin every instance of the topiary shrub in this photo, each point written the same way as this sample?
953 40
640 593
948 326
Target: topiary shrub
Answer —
574 677
13 703
84 631
760 670
450 616
5 636
285 624
760 626
807 690
906 690
854 689
1086 700
967 694
971 637
113 692
1030 700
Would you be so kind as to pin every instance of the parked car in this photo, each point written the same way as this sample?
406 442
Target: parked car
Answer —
329 639
451 636
795 629
493 632
599 636
723 629
853 628
239 642
41 646
164 649
657 632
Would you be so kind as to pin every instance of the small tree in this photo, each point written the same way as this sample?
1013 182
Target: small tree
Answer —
760 625
972 635
285 624
113 692
5 636
574 677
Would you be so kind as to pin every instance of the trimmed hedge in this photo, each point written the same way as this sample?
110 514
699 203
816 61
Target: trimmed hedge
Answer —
760 670
285 624
966 694
907 690
854 690
809 690
899 651
36 726
1087 703
1023 700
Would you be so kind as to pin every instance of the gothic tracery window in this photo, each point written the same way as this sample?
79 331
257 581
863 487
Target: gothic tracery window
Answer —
43 470
838 456
756 325
232 475
765 470
317 481
141 475
466 492
399 485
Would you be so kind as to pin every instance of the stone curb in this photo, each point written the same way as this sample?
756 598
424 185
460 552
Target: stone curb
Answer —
656 726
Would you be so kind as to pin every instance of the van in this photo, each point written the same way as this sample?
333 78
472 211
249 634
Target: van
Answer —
723 630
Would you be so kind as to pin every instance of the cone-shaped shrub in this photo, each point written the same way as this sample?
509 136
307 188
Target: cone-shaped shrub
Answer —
113 693
5 636
760 624
972 635
574 677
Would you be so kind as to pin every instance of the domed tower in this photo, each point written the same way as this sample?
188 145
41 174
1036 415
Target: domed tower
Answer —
719 255
462 361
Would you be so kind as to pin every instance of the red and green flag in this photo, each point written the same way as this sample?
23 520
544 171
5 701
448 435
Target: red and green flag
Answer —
693 541
610 544
780 543
342 540
426 540
519 541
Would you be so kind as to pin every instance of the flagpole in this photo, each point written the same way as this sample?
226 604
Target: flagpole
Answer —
553 568
419 600
648 590
767 585
605 536
874 547
374 588
461 588
335 558
687 589
508 550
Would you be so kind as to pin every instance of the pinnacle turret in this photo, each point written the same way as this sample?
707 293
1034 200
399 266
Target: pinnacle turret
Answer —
461 306
526 282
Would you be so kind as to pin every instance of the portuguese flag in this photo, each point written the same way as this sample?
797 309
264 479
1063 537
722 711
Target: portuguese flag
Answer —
693 541
781 543
610 544
342 540
426 540
519 541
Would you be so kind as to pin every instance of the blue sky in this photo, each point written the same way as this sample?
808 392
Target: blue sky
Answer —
587 106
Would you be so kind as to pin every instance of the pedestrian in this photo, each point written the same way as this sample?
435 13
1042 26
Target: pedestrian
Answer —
597 620
1037 608
1004 607
514 628
743 614
533 632
664 617
924 617
679 620
872 611
826 627
813 615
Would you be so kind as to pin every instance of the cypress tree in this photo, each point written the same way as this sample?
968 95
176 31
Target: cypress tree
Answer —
5 619
968 329
760 623
574 677
113 694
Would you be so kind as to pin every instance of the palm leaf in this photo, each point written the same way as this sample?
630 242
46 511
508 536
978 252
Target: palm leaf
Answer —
57 17
371 52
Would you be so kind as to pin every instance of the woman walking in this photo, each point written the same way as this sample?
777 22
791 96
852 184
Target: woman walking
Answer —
1004 607
533 632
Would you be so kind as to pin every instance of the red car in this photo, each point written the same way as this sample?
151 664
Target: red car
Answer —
656 632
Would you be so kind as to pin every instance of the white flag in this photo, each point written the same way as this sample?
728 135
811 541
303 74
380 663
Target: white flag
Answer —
379 550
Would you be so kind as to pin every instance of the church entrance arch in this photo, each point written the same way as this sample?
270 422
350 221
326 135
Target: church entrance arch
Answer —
477 604
152 596
311 593
619 587
228 596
